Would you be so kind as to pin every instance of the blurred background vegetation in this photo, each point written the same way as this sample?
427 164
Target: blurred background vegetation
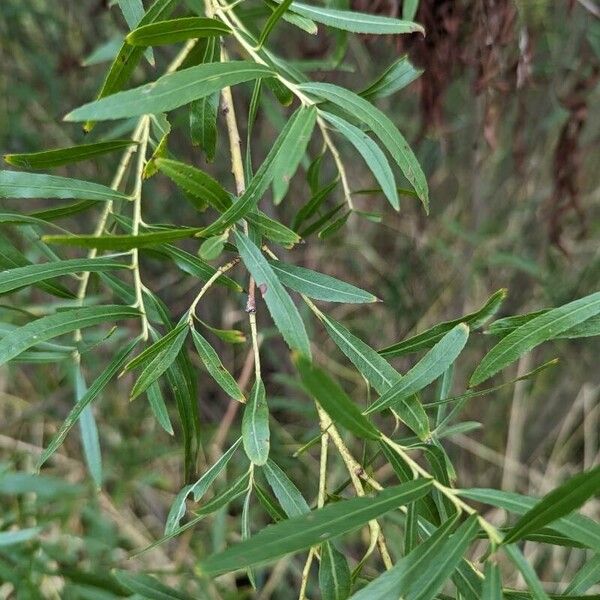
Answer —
503 122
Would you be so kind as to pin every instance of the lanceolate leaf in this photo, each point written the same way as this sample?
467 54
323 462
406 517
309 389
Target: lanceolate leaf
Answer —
90 439
160 362
255 425
378 372
407 573
272 21
492 582
286 164
280 305
125 241
381 126
13 537
23 276
374 157
354 21
65 156
200 184
318 526
335 579
319 286
176 30
115 365
170 91
335 401
574 526
149 587
198 489
428 338
397 76
129 56
159 408
52 326
427 370
529 575
17 184
545 327
288 495
558 503
213 365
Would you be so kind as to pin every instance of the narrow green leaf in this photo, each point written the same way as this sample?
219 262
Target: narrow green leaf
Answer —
160 361
318 526
129 56
152 351
176 30
280 305
11 258
397 76
65 156
115 365
378 372
246 531
148 587
159 408
530 576
428 338
313 205
134 12
52 326
286 164
11 538
234 491
202 185
24 276
575 526
409 9
196 182
341 409
288 495
211 248
277 14
90 439
587 576
198 489
295 19
545 327
318 285
204 112
192 265
423 584
125 241
492 582
170 91
215 367
372 154
556 504
17 184
411 566
427 370
354 21
335 578
255 425
382 127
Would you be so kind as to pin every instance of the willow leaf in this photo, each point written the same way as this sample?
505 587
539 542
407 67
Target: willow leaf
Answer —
47 328
65 156
170 91
18 184
280 305
316 527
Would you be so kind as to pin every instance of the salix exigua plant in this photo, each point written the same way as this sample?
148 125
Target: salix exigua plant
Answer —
225 45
